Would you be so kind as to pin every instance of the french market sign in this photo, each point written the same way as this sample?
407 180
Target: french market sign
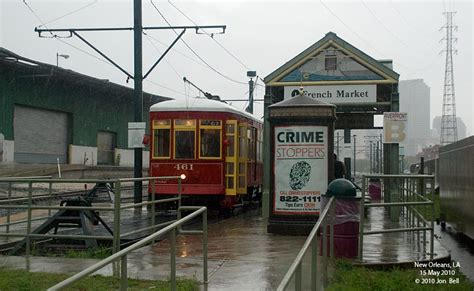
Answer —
336 94
301 168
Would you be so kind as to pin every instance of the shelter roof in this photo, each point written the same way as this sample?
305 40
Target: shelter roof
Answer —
364 68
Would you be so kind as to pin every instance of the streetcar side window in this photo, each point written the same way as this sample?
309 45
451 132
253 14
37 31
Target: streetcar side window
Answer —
184 138
161 138
210 139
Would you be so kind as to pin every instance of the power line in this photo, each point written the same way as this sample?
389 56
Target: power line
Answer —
157 50
348 27
383 25
69 13
167 88
212 37
177 51
194 52
81 50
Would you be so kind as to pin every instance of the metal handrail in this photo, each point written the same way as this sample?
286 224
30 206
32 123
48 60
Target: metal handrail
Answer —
116 208
409 205
123 254
297 263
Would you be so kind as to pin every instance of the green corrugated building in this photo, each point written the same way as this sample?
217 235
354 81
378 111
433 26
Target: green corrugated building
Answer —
49 113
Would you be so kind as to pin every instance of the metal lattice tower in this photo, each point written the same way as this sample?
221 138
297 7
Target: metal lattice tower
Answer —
449 132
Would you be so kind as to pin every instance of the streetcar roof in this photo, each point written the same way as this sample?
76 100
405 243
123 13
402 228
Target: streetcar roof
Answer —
199 104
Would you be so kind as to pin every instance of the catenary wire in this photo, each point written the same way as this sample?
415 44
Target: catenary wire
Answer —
211 36
69 13
193 51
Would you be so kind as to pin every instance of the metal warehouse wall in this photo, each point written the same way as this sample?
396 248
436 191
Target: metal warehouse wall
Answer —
91 106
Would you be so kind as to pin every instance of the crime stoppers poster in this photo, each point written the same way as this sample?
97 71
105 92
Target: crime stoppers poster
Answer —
301 169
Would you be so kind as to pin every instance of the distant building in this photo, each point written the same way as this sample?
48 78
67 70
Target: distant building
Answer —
50 114
461 128
415 100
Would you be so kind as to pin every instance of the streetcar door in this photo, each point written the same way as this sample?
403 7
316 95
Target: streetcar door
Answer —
231 158
242 159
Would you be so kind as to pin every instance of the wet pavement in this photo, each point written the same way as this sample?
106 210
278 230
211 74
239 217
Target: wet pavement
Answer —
242 255
401 247
460 248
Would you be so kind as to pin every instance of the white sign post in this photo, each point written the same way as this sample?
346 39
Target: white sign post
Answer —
301 168
394 127
136 132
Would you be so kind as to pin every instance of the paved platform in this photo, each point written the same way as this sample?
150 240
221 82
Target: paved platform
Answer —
242 255
396 248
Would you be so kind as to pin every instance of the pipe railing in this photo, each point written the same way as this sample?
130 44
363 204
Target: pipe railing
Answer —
117 207
122 255
409 198
295 269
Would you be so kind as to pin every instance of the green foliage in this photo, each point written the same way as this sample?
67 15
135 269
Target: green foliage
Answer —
351 278
19 280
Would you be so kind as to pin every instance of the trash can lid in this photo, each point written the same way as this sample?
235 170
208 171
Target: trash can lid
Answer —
341 188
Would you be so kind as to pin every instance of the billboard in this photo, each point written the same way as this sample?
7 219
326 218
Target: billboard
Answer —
300 168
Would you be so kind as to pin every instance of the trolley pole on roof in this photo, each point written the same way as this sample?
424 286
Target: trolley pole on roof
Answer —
138 95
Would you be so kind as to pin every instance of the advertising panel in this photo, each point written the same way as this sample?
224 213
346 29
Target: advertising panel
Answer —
394 127
301 168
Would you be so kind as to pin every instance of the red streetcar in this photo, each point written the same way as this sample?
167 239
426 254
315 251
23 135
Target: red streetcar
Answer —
218 148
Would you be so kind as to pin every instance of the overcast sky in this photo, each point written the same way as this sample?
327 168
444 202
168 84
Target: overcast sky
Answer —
260 35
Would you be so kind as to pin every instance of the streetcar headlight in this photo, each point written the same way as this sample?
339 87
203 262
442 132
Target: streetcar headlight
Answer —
183 176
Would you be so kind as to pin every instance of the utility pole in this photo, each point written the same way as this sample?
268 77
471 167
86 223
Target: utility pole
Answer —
138 76
138 94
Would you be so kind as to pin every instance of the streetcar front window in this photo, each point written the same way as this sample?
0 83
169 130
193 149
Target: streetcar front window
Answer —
184 144
210 143
210 139
161 138
162 143
184 138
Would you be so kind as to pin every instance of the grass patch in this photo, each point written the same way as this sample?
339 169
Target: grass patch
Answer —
93 253
351 278
19 280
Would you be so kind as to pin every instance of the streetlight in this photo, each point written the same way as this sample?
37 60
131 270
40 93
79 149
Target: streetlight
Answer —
62 56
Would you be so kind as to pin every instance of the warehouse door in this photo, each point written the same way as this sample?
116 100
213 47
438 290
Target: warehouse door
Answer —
40 135
105 148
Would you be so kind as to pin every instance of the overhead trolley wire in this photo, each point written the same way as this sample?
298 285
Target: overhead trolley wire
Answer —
69 13
193 51
348 27
211 36
42 23
383 24
158 51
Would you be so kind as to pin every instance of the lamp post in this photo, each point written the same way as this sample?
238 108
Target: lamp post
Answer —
62 56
